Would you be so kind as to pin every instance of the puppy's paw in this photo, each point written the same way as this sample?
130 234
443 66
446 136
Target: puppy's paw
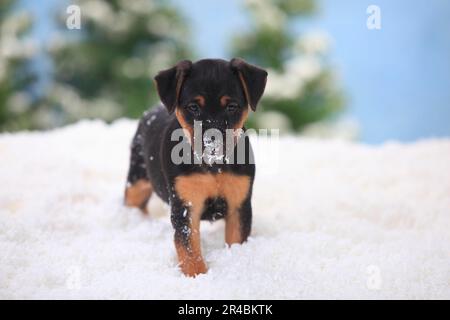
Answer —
193 267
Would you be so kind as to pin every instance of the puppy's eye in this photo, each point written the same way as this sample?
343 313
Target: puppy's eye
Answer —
232 107
193 108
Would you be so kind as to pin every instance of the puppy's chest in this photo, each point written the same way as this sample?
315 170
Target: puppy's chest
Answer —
197 187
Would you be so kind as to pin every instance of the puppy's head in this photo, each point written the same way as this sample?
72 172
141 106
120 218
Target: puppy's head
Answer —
216 92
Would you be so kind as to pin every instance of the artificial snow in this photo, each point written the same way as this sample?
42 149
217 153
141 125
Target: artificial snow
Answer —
337 220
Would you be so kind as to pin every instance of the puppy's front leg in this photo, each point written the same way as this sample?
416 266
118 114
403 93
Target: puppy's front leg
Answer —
186 222
238 223
237 191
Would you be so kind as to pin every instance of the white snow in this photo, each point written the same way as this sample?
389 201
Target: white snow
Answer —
339 220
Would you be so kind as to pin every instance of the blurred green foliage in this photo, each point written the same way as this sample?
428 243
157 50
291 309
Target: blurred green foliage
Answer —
301 87
108 65
16 75
105 69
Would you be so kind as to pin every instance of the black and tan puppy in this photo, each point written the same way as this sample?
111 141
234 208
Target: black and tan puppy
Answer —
216 94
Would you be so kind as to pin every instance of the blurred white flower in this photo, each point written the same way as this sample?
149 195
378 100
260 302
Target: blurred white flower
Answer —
273 120
163 26
282 85
56 42
67 97
102 13
160 57
42 118
103 108
122 22
137 6
306 67
12 45
297 72
77 107
14 24
133 68
3 67
14 48
159 25
342 129
314 42
18 102
99 11
267 14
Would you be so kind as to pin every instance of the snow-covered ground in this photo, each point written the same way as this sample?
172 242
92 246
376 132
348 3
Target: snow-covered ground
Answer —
339 220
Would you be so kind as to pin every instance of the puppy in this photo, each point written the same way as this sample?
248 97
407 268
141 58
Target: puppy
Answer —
208 94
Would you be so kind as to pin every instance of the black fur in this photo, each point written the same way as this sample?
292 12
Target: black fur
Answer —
152 145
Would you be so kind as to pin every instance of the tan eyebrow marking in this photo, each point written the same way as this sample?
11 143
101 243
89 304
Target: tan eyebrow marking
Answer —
224 100
200 99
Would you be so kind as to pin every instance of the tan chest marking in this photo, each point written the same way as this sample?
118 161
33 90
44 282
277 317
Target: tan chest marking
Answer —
196 188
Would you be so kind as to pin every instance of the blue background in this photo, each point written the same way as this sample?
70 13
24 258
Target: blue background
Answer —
397 79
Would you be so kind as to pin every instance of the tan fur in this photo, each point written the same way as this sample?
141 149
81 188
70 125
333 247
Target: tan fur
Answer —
224 100
196 188
137 194
201 100
189 131
190 259
180 81
191 265
241 122
244 85
235 190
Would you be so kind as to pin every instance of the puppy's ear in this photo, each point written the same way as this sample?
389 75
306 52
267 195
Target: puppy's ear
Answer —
253 80
169 82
